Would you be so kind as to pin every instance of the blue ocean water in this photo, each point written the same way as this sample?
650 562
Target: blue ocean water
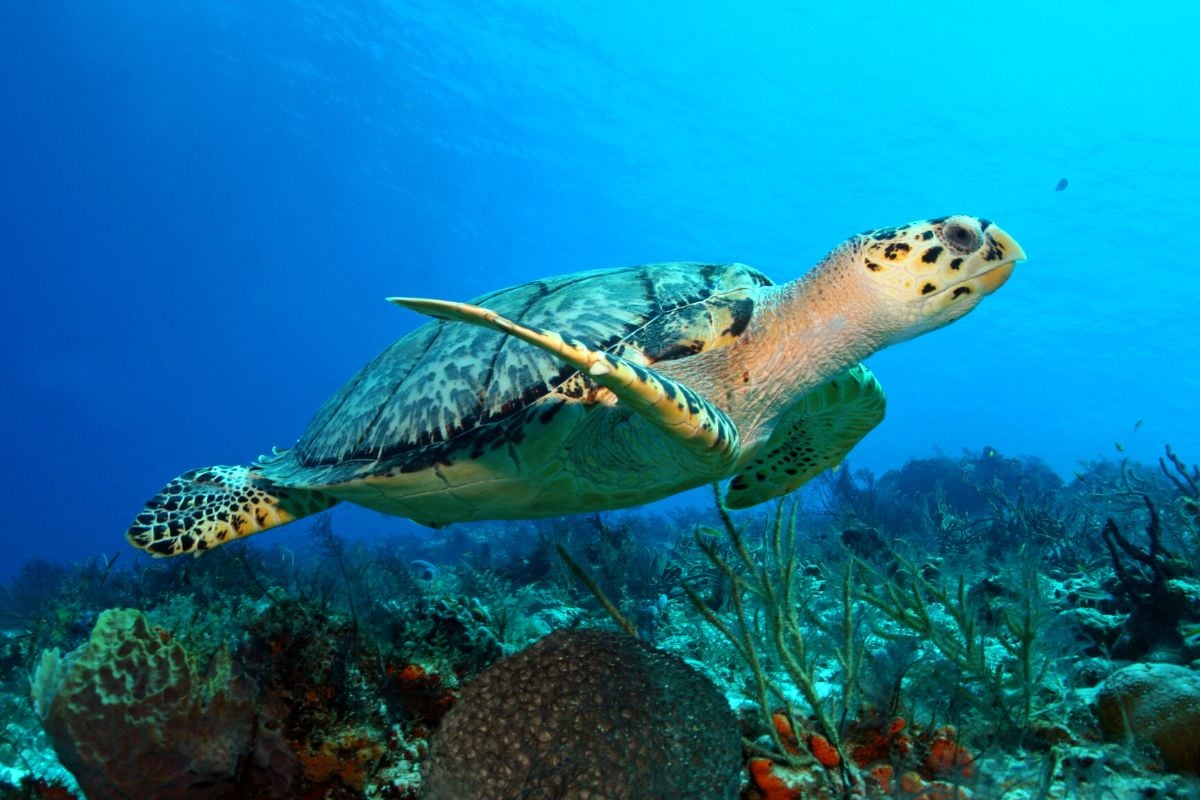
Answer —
203 205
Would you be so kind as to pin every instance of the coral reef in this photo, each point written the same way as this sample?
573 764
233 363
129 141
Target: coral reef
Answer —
583 714
970 627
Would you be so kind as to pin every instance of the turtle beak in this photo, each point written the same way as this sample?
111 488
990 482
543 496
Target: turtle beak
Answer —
1005 251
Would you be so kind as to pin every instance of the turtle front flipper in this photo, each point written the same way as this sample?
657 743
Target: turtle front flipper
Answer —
813 435
211 506
695 424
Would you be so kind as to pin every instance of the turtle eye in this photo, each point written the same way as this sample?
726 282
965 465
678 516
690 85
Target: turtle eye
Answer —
961 238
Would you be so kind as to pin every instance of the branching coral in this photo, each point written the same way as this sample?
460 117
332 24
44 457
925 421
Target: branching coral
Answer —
1149 579
993 636
770 582
997 648
1187 481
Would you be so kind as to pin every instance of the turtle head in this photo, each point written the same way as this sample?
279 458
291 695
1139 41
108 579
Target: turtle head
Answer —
921 276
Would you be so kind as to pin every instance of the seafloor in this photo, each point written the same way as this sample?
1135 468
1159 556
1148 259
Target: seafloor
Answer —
961 627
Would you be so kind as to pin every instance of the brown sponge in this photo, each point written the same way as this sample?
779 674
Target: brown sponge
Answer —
131 715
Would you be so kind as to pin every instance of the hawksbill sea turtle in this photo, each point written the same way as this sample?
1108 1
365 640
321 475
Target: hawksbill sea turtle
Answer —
604 390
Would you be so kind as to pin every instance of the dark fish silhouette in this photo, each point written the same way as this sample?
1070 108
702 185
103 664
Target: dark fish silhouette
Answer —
1062 184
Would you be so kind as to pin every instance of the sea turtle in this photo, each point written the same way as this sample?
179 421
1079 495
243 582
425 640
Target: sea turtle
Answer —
606 389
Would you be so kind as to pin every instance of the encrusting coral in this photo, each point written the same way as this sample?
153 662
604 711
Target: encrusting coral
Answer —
585 714
132 715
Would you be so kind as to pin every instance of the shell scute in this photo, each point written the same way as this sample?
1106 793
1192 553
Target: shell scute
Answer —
449 390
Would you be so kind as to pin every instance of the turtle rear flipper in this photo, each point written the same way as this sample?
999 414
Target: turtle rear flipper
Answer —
210 506
814 435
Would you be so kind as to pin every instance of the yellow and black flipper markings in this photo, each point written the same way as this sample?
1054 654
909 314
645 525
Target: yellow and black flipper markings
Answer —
814 435
691 421
211 506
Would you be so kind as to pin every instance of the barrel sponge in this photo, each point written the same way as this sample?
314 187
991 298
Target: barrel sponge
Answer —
1156 703
131 716
587 714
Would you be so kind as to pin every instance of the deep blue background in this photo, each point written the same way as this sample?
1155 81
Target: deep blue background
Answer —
203 204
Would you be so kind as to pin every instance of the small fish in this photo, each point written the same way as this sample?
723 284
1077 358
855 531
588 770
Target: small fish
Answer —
1062 185
1092 593
424 570
1120 447
1190 634
1137 426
